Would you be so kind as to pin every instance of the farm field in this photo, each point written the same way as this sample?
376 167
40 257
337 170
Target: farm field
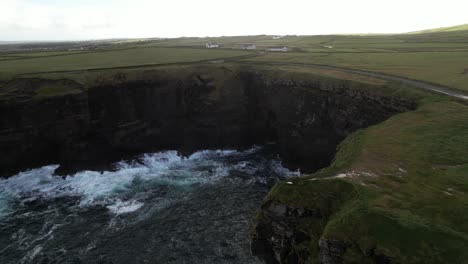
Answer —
438 56
110 59
446 68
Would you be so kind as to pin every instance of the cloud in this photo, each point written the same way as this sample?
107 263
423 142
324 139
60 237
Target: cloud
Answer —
89 19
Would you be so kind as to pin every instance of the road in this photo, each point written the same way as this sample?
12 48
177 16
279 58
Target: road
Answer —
242 60
415 83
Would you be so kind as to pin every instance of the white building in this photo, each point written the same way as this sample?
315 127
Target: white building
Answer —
283 49
248 46
211 45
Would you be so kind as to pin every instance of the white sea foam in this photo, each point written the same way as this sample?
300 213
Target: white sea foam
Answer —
278 168
95 187
246 167
31 254
121 207
102 188
4 204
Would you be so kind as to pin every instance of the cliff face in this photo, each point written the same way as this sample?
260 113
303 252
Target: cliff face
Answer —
291 232
108 122
307 119
201 109
35 132
113 121
310 117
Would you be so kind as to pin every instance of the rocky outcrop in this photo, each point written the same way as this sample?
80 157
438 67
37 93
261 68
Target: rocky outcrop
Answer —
277 235
202 108
331 251
35 132
290 224
311 117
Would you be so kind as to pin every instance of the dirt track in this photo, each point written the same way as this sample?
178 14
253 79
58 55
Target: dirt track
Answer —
415 83
237 59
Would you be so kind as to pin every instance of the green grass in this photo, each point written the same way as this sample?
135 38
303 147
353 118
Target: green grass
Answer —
408 197
43 53
439 57
446 68
38 89
52 91
112 58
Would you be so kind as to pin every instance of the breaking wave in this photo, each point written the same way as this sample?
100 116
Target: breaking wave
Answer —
143 186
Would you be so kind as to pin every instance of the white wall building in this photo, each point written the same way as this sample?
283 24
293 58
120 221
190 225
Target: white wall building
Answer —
283 49
248 46
211 45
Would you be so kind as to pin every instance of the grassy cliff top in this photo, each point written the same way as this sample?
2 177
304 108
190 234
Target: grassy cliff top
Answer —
406 186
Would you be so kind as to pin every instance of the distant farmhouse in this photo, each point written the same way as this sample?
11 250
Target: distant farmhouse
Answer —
249 46
278 37
212 45
283 49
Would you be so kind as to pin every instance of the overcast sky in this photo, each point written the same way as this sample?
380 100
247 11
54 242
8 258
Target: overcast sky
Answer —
97 19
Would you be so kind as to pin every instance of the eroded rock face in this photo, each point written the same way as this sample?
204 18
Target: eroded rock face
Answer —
331 251
277 234
108 122
200 110
39 132
310 118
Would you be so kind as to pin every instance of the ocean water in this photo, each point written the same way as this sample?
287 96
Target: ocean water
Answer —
159 208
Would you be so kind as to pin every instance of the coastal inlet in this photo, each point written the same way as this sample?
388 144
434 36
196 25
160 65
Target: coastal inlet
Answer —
158 208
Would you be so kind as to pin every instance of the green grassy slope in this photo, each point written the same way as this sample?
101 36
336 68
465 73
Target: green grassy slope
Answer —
406 188
443 29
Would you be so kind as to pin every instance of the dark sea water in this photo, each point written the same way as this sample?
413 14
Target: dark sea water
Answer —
159 208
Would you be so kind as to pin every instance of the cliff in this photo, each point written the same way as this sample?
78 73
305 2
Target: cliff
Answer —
307 220
394 193
197 109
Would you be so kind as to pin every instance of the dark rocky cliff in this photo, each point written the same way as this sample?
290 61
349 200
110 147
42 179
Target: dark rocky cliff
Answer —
306 117
108 122
291 232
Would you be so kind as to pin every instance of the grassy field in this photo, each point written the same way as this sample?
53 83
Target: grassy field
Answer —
433 57
42 54
438 56
446 68
112 58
